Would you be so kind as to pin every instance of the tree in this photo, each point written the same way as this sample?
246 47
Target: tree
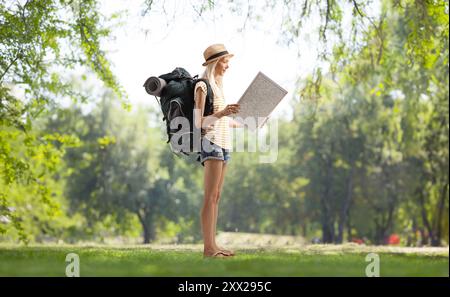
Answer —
39 41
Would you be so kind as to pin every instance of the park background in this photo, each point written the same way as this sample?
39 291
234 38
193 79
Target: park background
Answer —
362 134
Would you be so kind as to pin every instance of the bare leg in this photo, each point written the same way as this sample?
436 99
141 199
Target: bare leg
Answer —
213 170
216 209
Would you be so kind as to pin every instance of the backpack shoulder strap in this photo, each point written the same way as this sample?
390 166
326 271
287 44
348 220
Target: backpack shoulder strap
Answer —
209 96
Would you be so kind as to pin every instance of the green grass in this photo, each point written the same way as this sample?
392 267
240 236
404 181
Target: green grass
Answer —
144 261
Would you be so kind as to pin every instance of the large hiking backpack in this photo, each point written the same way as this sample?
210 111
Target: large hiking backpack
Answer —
176 102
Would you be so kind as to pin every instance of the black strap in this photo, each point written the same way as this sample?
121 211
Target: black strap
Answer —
158 101
217 55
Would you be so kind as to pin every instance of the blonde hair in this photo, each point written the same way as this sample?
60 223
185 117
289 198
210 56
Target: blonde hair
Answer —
216 85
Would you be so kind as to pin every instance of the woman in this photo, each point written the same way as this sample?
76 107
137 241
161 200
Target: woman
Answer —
216 144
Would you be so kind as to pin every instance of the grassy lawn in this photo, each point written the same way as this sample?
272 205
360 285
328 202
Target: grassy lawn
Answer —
49 260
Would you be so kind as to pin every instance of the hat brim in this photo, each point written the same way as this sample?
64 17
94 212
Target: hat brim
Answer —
210 61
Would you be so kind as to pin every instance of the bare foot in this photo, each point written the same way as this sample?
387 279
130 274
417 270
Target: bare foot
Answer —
215 254
228 252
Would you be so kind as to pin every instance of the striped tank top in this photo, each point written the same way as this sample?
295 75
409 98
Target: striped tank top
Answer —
220 134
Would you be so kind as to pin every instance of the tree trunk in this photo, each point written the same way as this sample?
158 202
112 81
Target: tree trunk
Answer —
426 223
379 237
349 227
436 239
327 221
148 227
343 217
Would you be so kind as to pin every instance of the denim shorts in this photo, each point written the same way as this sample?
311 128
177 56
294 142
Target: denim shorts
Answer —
210 150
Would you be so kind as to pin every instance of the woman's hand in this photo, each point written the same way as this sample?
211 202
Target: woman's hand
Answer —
206 130
230 109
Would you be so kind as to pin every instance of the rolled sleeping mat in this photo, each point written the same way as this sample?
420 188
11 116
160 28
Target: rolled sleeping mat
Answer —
153 85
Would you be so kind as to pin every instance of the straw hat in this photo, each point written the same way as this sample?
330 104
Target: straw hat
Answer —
215 52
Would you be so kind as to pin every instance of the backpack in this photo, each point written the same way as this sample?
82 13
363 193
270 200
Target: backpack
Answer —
177 100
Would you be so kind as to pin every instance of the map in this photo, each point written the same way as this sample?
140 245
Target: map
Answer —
259 100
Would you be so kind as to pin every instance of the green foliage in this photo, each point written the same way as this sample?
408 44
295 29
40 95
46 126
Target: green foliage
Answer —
119 170
374 125
365 156
40 40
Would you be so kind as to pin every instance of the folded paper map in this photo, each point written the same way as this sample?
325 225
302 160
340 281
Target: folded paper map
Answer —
258 101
